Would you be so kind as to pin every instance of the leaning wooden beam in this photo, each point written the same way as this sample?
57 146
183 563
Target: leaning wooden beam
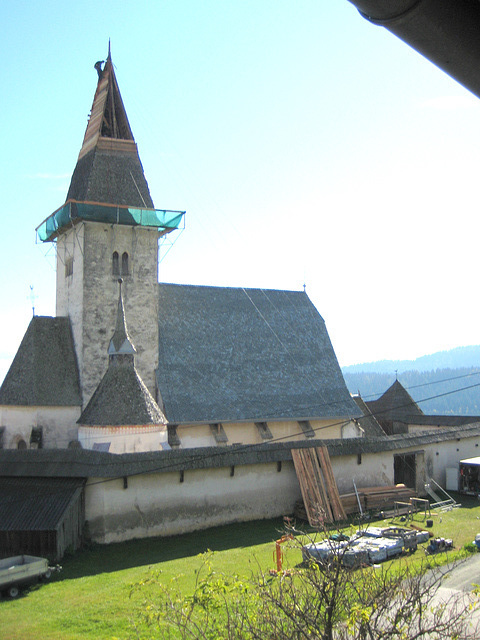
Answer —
300 471
321 485
317 506
316 482
337 507
310 493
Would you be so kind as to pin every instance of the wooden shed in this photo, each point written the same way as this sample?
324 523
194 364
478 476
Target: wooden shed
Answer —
41 516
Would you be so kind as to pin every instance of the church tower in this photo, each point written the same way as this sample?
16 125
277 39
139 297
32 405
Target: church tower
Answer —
107 228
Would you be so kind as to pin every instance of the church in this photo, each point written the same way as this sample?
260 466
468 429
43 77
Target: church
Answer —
154 409
213 365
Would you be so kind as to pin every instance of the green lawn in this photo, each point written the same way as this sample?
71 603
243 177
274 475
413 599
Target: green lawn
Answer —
92 597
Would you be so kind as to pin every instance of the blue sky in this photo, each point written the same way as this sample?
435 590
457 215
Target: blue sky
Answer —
306 145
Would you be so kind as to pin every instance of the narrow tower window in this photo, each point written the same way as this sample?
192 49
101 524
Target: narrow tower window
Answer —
115 265
68 267
125 264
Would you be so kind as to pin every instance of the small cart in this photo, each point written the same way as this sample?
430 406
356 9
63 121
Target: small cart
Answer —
19 571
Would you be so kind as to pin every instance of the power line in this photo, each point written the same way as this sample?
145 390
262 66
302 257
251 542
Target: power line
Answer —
177 466
423 384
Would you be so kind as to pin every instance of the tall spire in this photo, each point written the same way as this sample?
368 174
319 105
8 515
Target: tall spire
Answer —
108 167
121 344
108 119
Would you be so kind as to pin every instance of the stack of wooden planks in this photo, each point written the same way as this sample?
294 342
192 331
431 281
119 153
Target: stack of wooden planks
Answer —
376 498
319 488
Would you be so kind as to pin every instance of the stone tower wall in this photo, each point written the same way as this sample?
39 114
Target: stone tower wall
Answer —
90 296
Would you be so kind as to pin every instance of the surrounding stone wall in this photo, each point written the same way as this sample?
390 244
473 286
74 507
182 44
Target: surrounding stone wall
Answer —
175 502
90 296
370 470
162 505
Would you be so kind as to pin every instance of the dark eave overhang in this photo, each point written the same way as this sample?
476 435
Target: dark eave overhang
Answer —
446 32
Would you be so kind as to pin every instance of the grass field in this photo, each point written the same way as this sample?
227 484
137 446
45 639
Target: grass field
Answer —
92 597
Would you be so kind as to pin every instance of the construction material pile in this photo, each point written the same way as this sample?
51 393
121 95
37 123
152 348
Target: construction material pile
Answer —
366 546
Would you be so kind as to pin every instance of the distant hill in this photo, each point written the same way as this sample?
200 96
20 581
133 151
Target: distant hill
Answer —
459 358
447 382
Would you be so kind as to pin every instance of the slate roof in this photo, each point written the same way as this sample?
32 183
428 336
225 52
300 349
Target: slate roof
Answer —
368 422
233 354
83 463
36 504
112 178
441 421
396 404
44 371
121 398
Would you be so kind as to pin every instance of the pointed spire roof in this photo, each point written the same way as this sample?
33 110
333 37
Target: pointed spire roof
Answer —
108 167
121 344
108 119
121 398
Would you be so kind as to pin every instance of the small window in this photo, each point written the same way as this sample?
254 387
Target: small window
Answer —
68 267
101 446
124 263
115 264
21 444
36 438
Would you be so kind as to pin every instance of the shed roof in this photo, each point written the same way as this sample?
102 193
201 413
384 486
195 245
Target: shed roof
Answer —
234 354
473 461
44 371
36 504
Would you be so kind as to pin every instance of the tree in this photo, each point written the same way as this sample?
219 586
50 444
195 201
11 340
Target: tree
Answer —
315 601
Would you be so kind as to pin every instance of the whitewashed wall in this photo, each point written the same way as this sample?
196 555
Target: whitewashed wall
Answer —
59 425
160 504
132 439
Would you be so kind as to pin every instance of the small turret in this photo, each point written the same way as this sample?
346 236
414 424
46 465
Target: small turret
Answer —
122 416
